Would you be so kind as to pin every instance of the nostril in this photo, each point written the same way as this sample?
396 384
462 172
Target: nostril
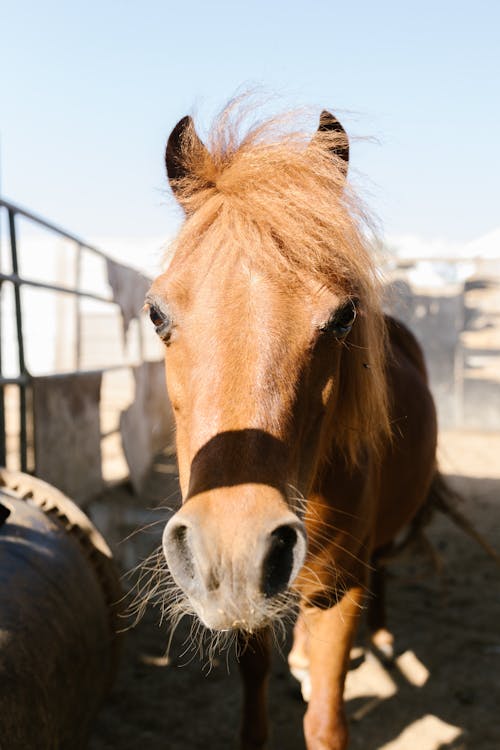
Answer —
279 560
178 534
177 551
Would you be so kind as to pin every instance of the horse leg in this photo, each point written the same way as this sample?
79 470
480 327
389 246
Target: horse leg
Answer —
381 638
331 632
255 663
298 658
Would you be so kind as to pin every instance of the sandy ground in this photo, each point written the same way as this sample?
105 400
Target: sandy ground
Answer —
442 693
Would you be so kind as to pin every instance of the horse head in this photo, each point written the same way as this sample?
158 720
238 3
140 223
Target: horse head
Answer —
265 311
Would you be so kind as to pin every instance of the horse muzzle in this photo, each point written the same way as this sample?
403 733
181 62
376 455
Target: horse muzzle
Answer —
235 555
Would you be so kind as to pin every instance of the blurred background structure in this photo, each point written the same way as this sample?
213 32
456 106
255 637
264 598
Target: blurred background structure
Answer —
82 392
453 307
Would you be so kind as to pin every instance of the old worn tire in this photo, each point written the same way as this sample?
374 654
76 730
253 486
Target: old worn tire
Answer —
59 595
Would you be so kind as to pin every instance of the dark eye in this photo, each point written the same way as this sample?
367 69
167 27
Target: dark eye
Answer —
341 320
155 316
161 321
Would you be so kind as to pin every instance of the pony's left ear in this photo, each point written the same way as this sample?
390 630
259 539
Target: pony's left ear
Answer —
184 150
328 123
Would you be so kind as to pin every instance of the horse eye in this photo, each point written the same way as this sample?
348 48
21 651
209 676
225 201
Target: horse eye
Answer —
161 322
155 316
341 321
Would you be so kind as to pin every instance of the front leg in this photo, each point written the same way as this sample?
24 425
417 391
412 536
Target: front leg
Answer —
331 632
255 662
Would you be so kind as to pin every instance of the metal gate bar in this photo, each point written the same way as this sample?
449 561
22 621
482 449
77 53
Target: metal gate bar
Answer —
23 379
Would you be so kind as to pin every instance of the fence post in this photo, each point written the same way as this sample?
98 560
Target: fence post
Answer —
23 436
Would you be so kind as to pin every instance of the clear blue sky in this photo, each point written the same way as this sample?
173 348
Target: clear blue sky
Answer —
89 92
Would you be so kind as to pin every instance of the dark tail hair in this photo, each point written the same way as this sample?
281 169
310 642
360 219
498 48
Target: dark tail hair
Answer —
443 498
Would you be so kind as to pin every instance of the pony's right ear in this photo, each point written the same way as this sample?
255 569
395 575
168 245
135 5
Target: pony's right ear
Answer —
184 149
328 123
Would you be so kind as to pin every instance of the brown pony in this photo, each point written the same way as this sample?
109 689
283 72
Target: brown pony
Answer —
306 433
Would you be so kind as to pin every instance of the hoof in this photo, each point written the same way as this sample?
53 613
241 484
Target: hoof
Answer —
302 675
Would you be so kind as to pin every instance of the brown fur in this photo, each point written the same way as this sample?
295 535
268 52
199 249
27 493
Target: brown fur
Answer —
284 201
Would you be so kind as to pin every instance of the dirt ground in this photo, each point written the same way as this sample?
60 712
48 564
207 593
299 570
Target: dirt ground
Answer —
442 692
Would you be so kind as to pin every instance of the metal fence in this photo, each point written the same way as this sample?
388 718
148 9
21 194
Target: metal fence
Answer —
23 380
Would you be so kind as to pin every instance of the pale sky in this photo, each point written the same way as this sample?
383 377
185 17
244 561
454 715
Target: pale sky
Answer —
90 91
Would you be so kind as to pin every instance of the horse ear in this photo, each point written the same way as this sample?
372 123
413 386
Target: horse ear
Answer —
340 147
184 147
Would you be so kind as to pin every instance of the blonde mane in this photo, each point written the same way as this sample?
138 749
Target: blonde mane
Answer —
283 198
